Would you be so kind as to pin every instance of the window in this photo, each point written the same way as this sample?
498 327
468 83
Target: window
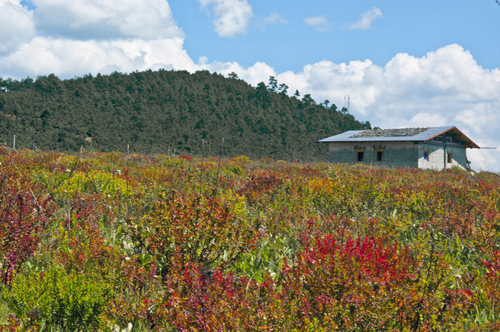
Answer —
450 159
379 155
360 155
426 155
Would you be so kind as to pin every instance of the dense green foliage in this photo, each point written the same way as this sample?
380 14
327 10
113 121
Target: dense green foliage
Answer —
164 111
55 298
107 242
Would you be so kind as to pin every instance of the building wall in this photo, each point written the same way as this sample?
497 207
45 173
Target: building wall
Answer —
437 158
396 154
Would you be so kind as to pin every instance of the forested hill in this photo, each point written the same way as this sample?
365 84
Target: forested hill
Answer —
159 111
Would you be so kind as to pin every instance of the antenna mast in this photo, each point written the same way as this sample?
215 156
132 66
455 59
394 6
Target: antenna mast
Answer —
347 99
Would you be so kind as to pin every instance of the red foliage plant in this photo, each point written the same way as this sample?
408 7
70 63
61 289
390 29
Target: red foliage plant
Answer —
185 157
264 183
201 300
22 216
341 283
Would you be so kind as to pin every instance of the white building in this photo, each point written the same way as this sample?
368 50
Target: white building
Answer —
427 148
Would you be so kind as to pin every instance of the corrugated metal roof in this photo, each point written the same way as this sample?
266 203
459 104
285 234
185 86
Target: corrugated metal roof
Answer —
420 137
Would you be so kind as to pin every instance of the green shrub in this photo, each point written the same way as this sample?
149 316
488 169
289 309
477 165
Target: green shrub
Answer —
57 299
235 169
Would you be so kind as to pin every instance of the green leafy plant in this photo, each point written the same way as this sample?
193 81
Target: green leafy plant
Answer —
57 299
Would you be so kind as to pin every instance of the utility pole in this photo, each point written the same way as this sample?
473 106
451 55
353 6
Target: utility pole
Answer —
347 101
14 143
444 140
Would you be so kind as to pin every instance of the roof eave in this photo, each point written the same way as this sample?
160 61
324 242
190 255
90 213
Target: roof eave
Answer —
369 141
468 144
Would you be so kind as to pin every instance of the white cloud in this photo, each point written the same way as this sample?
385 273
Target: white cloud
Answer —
67 58
320 23
105 19
259 72
274 18
17 25
478 117
366 20
231 17
91 36
423 120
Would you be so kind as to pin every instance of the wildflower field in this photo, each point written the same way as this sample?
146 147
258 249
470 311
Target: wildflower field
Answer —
110 242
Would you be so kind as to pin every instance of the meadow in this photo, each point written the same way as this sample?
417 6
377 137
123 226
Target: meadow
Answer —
114 242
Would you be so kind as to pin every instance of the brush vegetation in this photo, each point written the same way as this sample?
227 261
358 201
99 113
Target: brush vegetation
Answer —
110 242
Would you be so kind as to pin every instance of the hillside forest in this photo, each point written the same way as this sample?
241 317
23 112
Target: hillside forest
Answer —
170 112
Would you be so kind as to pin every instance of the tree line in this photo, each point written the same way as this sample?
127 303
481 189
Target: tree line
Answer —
168 112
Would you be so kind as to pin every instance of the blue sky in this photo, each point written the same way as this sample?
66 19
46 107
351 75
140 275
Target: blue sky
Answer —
414 27
403 63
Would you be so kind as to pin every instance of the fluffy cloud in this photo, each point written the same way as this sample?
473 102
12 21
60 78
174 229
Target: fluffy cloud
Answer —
105 19
231 17
17 25
366 20
90 36
259 72
67 58
274 18
320 23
